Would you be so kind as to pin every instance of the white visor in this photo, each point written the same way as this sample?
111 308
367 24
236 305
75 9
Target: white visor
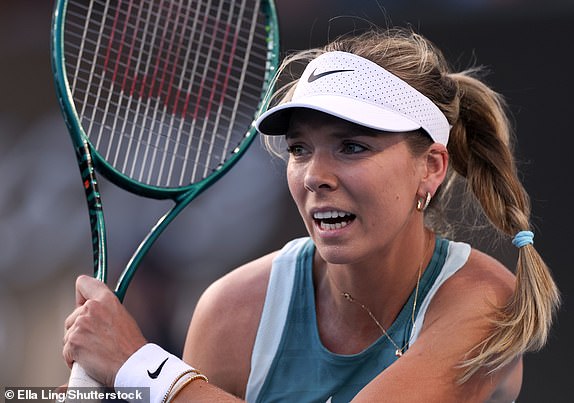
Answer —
355 89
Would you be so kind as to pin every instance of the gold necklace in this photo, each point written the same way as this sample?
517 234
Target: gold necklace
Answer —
399 350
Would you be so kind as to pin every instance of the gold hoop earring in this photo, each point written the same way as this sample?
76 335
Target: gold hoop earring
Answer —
423 202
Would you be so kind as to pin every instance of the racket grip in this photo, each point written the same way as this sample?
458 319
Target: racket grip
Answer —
80 379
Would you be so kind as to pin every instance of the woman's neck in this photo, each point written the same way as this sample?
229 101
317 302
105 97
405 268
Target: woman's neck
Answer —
383 283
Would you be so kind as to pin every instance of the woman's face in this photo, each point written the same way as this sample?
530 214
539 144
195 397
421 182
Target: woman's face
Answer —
355 188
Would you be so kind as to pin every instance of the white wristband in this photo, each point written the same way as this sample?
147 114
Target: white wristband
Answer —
154 368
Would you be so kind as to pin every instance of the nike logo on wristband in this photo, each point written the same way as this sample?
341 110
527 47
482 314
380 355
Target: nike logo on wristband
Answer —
155 374
314 76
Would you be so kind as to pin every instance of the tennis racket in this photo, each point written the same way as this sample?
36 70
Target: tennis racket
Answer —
159 96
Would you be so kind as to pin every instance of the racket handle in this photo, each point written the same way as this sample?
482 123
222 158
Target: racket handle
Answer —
80 379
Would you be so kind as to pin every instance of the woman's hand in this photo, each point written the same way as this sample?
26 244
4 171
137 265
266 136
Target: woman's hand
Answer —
100 334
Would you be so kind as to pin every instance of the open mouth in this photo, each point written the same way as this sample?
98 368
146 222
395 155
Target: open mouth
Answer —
332 220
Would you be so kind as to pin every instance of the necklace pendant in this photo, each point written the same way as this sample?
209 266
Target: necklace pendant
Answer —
398 353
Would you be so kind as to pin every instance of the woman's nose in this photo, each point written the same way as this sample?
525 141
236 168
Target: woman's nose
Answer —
320 174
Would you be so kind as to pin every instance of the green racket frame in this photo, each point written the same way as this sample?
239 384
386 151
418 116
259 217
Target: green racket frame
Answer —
90 160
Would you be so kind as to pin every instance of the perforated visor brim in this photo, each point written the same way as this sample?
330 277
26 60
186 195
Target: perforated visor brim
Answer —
275 121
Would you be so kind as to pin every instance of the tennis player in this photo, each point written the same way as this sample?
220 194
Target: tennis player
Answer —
377 303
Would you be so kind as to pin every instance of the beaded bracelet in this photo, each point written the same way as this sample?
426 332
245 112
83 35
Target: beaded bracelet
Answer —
180 385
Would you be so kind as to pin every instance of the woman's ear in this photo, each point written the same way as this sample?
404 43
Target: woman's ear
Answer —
436 164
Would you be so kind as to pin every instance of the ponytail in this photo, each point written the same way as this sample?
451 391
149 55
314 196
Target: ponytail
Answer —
480 150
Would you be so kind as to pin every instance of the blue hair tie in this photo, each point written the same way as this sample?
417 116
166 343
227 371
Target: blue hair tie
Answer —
523 238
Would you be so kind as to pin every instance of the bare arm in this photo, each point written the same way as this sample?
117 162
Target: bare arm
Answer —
223 328
457 320
219 343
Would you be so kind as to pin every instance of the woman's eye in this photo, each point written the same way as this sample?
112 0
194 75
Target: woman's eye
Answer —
353 148
295 150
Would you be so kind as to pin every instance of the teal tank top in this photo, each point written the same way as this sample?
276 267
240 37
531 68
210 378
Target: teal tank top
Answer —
296 367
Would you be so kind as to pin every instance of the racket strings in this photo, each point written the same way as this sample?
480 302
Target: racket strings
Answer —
165 89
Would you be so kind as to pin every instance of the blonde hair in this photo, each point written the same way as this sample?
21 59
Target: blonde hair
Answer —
480 150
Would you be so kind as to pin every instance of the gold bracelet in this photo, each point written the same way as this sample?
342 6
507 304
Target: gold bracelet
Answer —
176 380
185 383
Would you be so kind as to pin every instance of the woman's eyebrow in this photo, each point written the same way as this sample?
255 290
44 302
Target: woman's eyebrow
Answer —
292 135
357 132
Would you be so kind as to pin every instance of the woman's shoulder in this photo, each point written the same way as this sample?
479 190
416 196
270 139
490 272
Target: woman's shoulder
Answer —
224 325
485 276
470 300
482 282
239 293
460 316
242 284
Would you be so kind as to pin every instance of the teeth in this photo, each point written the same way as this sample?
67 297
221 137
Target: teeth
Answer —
321 215
330 227
332 220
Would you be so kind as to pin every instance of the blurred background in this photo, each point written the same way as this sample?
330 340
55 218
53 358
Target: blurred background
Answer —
44 229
